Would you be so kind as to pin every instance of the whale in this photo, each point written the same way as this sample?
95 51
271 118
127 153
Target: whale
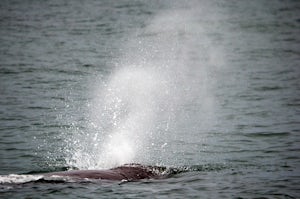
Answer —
127 172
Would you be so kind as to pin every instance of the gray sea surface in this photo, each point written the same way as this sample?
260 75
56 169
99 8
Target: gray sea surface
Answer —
210 88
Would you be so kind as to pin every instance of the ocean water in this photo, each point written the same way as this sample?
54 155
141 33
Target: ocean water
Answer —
210 88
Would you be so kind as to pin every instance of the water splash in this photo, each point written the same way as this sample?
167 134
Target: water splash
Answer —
129 105
18 179
137 109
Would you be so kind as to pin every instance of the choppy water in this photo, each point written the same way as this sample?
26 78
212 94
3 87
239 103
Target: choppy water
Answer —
208 87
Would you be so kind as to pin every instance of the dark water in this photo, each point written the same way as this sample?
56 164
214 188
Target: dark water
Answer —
208 87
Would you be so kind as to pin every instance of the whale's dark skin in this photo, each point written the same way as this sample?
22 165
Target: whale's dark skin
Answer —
128 172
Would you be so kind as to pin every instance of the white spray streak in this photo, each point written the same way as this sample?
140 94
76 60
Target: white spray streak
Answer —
129 103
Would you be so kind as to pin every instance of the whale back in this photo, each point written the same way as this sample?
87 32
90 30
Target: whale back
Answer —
137 171
129 172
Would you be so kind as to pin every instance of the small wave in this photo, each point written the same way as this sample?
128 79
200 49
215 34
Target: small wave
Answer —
22 179
18 179
268 88
194 168
268 134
